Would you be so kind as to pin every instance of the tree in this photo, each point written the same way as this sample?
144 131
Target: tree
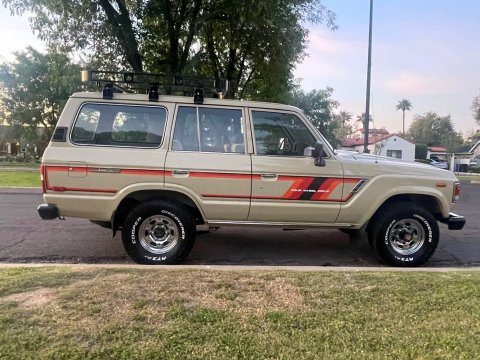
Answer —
254 44
318 106
343 127
404 105
360 121
433 130
421 151
476 109
35 88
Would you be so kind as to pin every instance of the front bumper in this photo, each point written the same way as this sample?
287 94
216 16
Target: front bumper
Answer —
47 212
454 221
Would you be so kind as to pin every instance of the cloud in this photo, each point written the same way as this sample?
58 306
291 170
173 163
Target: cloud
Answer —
412 83
332 58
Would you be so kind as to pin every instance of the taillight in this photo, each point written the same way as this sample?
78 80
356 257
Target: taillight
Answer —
456 192
42 178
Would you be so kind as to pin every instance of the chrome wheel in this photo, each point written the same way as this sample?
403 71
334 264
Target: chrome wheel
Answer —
158 234
406 236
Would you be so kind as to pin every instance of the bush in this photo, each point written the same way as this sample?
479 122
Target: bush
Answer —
474 169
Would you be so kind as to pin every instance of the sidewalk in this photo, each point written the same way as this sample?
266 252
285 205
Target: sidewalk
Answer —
19 168
20 190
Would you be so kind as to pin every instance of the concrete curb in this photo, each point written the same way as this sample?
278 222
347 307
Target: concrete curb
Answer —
19 169
239 267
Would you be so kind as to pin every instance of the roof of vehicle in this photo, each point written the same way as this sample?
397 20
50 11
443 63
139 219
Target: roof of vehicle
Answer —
183 100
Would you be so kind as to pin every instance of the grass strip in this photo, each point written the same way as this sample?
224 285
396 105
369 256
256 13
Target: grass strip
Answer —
88 313
19 179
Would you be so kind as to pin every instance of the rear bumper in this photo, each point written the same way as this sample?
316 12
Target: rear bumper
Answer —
454 221
48 212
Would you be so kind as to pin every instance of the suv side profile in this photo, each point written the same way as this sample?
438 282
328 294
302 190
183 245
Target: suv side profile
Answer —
156 169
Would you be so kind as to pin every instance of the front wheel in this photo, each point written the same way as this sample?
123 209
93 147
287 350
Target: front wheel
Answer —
157 232
404 235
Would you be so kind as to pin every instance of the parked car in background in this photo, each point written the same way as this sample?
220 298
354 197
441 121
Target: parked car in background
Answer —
438 164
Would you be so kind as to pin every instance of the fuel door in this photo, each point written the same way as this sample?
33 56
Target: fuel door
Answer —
77 169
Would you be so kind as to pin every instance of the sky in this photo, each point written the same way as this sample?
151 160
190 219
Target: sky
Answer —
427 51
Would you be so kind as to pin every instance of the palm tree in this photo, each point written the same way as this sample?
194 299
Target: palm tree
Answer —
404 105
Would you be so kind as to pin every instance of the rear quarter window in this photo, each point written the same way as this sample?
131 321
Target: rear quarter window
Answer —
119 125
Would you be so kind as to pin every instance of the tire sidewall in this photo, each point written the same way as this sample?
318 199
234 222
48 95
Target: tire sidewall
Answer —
382 243
178 215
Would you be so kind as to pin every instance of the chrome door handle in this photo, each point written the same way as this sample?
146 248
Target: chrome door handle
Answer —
178 172
269 176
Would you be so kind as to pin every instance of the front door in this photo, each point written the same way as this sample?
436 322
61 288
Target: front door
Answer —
286 185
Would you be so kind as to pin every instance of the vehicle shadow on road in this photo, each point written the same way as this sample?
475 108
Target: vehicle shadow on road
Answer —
276 247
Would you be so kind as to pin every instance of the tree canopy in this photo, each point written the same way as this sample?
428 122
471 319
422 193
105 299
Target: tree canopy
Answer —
476 109
254 44
319 107
404 105
434 130
35 88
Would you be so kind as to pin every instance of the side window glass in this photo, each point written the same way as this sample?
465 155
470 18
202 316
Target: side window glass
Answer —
209 130
221 130
185 137
86 125
280 134
139 126
116 125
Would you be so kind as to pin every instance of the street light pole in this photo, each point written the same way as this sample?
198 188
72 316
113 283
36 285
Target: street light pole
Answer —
369 73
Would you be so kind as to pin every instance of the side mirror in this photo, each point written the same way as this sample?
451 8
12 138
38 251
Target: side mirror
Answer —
317 153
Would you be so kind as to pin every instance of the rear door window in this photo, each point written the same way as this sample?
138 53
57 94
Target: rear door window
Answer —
209 130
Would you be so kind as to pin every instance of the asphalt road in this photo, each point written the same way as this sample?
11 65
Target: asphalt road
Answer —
25 238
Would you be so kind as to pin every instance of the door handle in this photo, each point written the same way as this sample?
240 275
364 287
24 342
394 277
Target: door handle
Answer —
269 177
180 173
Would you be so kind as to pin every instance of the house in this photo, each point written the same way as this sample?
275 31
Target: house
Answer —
437 153
475 150
383 144
8 144
13 143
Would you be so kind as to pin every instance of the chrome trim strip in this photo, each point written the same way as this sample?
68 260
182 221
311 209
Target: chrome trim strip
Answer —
277 224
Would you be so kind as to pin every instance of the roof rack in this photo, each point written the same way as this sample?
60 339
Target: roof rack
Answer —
155 84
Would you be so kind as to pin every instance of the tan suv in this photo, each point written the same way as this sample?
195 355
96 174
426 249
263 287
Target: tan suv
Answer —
154 167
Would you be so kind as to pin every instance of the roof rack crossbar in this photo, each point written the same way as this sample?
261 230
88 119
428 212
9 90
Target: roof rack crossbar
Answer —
144 81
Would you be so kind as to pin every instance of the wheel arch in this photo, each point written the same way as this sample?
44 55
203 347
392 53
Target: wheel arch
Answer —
428 202
141 196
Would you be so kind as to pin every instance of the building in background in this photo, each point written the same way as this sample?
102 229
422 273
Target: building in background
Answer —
381 143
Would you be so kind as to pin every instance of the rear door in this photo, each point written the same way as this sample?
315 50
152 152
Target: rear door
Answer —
286 185
208 161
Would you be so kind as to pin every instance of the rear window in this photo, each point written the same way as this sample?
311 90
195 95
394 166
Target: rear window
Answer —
119 125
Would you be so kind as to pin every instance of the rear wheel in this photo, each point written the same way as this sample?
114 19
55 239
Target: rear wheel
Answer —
158 232
404 235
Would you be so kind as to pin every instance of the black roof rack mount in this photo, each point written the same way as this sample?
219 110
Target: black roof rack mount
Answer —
155 84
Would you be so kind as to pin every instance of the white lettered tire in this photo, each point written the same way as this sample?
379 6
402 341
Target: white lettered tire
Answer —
158 232
404 234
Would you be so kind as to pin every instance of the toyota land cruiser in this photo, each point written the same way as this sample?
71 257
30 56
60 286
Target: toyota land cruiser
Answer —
155 166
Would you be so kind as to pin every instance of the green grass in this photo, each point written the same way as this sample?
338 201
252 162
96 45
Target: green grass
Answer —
468 177
87 313
20 178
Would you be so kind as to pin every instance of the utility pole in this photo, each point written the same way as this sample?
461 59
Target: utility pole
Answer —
369 74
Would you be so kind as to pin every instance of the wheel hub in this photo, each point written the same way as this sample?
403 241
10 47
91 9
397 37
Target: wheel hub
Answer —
407 236
158 234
